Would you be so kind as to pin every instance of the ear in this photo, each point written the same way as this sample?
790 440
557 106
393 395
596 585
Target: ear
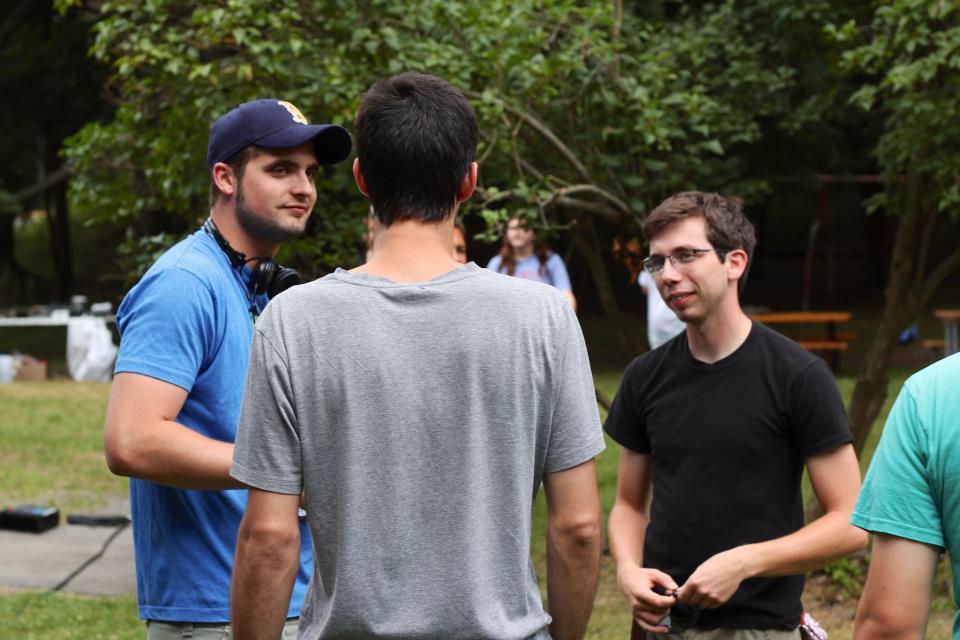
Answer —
358 177
469 183
225 179
736 264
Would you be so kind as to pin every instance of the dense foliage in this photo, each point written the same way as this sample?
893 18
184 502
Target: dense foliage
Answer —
909 56
591 113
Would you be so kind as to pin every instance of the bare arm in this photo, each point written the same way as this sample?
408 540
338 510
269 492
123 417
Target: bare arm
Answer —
896 598
835 477
568 294
573 548
142 439
627 530
265 565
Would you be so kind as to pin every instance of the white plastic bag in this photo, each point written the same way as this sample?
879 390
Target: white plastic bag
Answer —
90 349
7 368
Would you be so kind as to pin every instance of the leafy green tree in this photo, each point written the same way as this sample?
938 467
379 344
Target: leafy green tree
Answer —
909 57
591 112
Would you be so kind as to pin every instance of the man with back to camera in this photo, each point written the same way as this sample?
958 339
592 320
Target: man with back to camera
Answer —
910 502
720 422
185 332
419 403
459 238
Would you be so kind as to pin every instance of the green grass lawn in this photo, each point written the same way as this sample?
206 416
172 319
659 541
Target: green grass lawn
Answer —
31 615
52 434
52 453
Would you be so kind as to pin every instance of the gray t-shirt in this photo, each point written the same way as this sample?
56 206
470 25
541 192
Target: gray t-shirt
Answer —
420 418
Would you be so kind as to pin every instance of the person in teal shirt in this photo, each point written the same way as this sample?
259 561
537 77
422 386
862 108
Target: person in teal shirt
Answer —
910 501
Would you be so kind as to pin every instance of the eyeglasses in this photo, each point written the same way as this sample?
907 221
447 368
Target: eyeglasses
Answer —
679 258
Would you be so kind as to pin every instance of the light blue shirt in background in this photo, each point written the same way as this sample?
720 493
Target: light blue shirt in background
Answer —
552 272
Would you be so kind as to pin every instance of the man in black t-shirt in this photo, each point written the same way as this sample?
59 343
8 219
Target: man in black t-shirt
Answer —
719 422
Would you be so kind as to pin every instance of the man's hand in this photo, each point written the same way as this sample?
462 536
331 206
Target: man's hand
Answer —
647 606
716 580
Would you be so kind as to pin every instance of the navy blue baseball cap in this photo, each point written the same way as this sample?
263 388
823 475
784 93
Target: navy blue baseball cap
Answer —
274 124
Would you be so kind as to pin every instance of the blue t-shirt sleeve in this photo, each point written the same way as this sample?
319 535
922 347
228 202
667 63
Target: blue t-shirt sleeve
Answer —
896 497
166 327
494 264
557 272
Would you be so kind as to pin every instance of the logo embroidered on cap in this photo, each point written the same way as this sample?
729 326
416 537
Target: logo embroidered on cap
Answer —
297 116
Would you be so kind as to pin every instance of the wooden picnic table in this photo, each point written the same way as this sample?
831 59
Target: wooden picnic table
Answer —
949 318
831 343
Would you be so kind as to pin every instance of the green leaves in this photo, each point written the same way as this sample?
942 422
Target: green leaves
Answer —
910 56
566 93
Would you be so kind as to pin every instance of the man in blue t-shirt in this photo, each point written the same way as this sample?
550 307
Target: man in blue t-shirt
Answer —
186 330
910 502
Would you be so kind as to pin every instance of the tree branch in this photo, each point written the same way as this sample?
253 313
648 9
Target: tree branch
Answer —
585 235
491 144
944 270
515 148
497 197
615 34
541 128
926 236
590 188
539 175
51 179
601 211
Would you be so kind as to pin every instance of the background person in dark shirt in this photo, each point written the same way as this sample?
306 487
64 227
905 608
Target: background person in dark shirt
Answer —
720 422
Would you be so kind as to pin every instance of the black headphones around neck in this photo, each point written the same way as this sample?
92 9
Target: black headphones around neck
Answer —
268 276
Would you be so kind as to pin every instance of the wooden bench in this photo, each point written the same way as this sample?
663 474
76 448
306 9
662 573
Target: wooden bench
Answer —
820 335
951 333
823 345
828 341
935 347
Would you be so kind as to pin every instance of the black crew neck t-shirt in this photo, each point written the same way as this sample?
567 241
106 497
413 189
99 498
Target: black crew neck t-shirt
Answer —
727 443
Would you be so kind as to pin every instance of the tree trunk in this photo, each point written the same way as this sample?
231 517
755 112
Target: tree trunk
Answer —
7 241
58 220
910 285
901 305
870 391
585 235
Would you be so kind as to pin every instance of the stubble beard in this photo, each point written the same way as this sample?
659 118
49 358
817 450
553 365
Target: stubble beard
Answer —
262 227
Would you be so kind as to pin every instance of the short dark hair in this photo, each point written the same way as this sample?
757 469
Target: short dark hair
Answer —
238 163
727 226
416 137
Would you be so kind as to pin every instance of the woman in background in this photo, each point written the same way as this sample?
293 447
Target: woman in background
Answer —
524 256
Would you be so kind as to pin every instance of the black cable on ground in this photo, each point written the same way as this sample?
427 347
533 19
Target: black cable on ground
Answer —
121 523
93 558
